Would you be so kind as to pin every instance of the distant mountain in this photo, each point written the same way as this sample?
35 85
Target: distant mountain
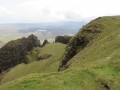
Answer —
56 28
41 30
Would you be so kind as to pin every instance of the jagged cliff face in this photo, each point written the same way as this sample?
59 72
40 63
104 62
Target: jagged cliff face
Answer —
45 42
14 52
82 39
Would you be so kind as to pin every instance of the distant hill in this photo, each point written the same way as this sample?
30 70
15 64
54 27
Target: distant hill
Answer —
51 30
57 28
41 30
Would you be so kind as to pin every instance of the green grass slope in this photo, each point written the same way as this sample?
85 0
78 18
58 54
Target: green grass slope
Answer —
41 66
96 67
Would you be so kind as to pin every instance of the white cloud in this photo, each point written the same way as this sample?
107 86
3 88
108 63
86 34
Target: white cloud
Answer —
5 12
53 10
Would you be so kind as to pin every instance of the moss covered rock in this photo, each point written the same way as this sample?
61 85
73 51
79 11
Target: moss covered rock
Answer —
15 51
63 39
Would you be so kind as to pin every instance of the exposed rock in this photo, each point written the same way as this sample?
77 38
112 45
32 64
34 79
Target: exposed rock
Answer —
63 39
45 42
105 86
43 56
1 44
79 41
14 52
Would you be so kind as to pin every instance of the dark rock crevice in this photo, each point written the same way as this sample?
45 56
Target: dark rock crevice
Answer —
105 86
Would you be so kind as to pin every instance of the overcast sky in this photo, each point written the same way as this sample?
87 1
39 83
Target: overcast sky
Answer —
55 10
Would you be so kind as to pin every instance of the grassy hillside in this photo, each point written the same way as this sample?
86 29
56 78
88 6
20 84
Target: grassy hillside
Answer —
41 66
96 67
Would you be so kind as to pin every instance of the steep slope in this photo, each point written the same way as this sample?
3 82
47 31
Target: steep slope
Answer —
95 65
82 39
105 48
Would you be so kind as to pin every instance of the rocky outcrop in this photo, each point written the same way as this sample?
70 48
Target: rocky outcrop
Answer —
43 56
1 44
14 52
82 39
45 42
63 39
